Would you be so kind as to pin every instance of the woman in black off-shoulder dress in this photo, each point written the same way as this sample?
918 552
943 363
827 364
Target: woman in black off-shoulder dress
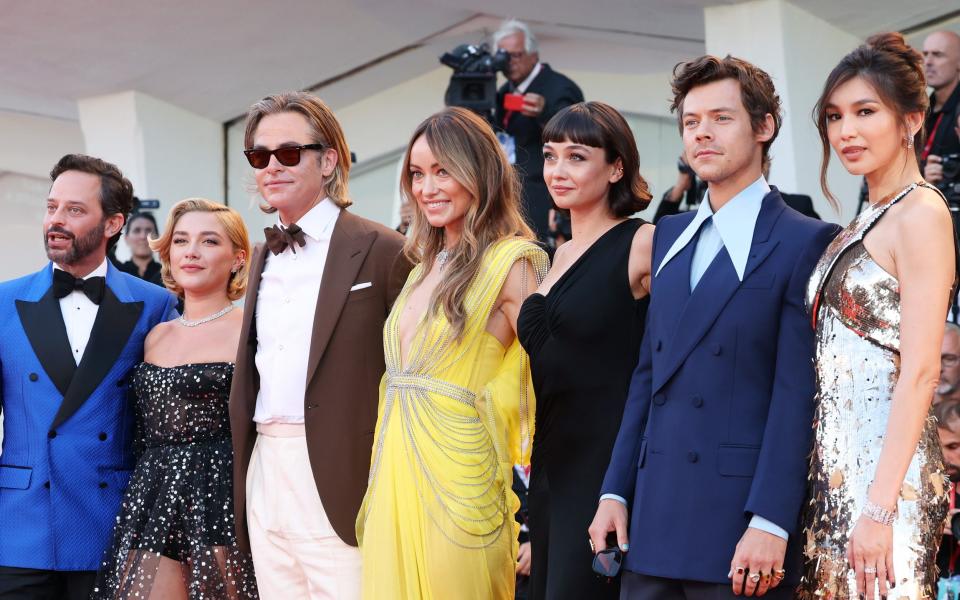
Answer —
582 330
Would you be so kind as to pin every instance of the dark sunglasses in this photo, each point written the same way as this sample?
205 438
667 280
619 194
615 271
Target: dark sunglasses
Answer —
288 156
606 563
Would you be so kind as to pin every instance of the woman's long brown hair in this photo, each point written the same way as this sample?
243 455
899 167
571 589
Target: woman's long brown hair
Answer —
465 146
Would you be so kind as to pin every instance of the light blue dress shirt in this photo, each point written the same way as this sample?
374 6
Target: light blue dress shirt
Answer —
732 228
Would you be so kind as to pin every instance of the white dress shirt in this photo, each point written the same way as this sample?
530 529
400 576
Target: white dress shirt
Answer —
286 305
731 227
79 313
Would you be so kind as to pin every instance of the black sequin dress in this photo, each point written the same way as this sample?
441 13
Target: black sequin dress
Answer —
179 503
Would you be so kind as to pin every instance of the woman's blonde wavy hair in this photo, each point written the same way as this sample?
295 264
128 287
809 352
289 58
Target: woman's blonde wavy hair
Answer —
465 146
236 232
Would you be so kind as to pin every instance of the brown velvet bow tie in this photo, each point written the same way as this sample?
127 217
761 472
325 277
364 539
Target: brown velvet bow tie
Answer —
278 238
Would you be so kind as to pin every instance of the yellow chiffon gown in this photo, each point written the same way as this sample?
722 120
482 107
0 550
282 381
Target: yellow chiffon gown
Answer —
437 521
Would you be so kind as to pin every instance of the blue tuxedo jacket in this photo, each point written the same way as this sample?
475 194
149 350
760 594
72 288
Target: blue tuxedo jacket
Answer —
67 428
718 421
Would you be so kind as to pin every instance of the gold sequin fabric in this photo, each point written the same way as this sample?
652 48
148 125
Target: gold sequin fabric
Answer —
179 504
856 310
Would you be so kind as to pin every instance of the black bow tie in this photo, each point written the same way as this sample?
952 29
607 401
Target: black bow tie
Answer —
64 283
278 238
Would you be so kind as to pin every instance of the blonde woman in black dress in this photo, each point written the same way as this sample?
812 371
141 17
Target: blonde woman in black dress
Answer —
174 537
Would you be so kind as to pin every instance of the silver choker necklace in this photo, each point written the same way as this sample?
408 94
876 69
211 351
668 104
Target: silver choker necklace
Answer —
206 319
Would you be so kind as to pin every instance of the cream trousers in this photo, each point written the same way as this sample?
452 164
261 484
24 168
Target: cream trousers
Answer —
296 552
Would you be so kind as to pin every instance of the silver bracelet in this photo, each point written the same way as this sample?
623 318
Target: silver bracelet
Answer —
879 514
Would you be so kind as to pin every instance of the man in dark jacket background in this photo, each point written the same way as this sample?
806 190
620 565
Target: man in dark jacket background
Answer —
544 93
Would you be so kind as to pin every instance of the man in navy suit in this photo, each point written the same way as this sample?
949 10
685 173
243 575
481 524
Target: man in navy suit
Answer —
70 333
711 457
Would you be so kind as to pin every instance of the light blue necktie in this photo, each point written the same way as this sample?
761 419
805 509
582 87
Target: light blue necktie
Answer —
707 243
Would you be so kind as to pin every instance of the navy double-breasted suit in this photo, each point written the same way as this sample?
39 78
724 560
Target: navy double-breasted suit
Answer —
68 428
718 421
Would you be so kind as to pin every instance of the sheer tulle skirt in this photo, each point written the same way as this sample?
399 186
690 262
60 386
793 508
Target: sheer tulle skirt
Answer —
179 505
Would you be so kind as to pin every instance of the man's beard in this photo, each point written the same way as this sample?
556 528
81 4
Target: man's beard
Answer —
80 248
945 388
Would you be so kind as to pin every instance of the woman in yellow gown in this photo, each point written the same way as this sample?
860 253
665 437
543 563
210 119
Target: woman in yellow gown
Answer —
456 404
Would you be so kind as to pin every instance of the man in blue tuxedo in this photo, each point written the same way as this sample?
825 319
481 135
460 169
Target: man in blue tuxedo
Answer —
70 332
711 457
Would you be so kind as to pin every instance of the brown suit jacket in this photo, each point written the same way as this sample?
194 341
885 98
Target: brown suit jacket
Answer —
344 370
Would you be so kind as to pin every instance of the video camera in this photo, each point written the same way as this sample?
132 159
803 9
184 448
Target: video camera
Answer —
144 204
473 84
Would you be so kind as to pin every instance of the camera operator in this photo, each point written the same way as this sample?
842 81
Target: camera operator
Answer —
941 152
533 94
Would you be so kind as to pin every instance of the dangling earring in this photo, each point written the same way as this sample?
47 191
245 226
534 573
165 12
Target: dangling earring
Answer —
910 142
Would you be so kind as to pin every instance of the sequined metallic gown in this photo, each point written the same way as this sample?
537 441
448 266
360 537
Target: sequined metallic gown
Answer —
437 521
179 503
855 306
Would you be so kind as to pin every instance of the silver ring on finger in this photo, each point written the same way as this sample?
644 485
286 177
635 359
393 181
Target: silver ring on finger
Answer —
870 570
755 577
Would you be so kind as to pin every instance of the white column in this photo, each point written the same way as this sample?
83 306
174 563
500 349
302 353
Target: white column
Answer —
168 153
798 50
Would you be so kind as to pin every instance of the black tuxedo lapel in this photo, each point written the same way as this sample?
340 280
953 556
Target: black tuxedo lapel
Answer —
111 330
43 323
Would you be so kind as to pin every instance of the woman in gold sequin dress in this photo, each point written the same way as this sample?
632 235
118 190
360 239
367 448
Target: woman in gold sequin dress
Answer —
456 403
878 300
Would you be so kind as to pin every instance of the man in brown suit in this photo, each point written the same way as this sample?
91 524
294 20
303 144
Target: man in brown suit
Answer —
304 400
